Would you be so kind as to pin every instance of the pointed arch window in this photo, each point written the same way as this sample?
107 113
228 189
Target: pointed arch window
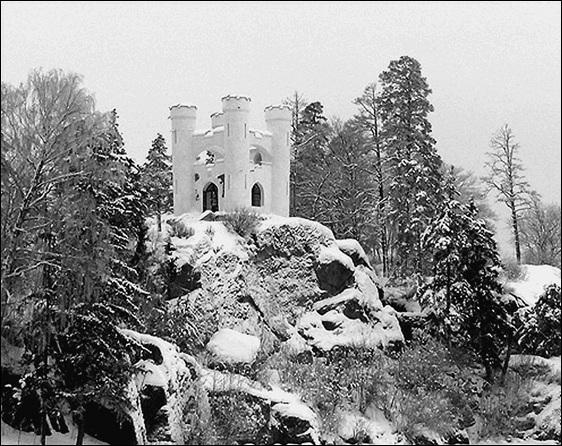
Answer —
257 195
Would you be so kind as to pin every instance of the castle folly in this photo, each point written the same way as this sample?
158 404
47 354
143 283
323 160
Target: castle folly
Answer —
231 166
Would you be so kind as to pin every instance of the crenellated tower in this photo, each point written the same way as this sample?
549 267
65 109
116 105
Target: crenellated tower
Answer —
183 119
236 111
278 122
231 165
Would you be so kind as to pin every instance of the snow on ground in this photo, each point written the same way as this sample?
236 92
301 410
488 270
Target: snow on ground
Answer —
515 441
532 282
221 239
232 346
11 436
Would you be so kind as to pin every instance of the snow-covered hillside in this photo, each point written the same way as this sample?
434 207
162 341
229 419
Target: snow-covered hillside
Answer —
532 282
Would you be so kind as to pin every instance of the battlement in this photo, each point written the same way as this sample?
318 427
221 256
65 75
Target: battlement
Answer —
277 112
183 111
217 119
235 103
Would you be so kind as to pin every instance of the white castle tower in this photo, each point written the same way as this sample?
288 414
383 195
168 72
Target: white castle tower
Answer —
230 165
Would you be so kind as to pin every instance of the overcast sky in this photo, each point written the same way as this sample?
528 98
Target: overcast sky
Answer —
488 63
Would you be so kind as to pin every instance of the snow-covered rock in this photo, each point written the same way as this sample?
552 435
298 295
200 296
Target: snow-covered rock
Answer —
334 267
369 428
166 369
294 421
545 395
336 328
232 347
353 249
532 282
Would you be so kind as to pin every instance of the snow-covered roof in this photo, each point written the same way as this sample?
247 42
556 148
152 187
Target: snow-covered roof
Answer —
209 132
260 133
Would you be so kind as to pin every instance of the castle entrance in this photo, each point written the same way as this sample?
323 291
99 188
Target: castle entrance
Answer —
211 198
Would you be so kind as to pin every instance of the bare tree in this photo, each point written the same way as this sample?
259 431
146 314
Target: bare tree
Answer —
540 234
297 103
469 187
507 180
368 120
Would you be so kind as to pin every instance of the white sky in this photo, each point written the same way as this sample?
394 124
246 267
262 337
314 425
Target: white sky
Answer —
488 63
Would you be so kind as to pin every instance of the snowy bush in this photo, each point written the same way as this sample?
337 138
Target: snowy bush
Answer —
511 269
432 389
242 221
179 229
501 404
540 334
345 379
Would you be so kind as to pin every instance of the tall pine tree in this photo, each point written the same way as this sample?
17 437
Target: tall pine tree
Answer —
157 176
414 189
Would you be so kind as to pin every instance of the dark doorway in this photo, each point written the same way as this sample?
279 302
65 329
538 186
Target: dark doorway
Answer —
257 196
210 198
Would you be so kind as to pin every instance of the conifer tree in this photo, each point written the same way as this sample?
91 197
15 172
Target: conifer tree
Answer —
310 179
414 188
157 175
465 285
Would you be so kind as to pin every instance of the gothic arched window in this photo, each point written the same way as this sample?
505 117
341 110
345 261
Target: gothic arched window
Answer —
257 195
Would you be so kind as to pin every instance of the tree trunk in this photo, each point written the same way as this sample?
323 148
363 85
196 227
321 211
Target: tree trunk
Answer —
448 306
507 357
80 425
515 225
159 221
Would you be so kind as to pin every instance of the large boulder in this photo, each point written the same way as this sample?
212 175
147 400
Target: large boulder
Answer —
232 347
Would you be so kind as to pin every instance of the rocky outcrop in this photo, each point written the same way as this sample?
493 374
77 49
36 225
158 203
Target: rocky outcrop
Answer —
293 284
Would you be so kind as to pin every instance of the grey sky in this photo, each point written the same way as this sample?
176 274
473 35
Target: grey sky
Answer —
488 63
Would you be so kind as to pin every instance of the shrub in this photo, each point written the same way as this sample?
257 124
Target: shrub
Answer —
238 418
541 330
512 269
187 324
500 406
242 221
179 229
344 379
432 389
